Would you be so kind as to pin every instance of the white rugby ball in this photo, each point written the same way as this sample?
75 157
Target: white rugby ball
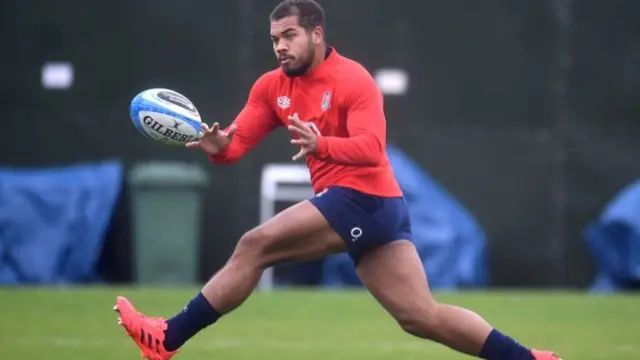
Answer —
165 116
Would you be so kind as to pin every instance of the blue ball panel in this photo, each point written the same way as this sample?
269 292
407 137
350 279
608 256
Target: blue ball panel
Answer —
135 116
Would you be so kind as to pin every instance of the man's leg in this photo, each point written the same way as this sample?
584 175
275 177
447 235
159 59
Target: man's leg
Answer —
394 275
298 233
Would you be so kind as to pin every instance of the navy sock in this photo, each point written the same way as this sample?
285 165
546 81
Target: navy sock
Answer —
501 347
197 315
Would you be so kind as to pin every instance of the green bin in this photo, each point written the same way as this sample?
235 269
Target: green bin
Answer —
166 208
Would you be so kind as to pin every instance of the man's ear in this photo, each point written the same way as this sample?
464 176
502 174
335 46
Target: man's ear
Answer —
317 35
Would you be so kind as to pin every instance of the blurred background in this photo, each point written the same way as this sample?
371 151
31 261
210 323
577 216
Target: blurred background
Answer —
513 128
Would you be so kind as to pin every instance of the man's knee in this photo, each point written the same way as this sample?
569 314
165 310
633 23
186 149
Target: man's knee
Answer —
254 246
423 321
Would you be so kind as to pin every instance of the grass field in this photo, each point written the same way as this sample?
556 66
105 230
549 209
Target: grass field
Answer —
78 324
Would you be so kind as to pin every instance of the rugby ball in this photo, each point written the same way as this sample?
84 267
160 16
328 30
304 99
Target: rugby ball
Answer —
166 116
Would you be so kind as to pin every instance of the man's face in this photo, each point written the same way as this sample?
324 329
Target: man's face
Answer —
294 47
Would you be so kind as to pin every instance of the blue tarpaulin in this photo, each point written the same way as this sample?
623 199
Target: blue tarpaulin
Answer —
53 221
450 242
614 242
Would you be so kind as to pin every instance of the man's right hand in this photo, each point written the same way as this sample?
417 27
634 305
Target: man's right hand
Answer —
214 140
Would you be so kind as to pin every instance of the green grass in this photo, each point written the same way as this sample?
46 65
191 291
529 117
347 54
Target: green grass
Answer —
78 324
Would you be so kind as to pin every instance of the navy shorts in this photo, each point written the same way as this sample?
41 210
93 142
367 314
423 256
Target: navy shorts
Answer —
364 221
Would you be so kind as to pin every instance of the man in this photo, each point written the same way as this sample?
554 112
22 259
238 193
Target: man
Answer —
334 111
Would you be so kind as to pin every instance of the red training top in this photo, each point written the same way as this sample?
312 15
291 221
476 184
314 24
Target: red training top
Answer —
342 102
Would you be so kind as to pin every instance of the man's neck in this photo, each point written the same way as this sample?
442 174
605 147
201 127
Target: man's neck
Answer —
320 56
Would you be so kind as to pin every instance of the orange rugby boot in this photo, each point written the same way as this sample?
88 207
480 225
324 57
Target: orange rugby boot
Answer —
148 333
544 355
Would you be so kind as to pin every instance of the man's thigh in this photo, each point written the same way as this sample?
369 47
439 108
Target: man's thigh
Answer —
395 276
298 233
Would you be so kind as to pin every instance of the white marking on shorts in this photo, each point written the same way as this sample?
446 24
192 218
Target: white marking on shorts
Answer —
356 232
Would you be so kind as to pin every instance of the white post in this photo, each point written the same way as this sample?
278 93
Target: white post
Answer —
281 182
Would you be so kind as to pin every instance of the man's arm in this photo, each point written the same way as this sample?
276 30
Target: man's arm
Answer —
255 121
366 125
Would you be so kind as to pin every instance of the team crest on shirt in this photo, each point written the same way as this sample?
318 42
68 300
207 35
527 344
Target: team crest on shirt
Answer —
326 101
284 102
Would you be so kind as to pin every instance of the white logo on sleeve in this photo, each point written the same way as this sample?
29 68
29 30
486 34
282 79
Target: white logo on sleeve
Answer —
284 102
356 232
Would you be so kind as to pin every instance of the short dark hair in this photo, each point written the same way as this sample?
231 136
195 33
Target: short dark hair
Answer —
310 14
